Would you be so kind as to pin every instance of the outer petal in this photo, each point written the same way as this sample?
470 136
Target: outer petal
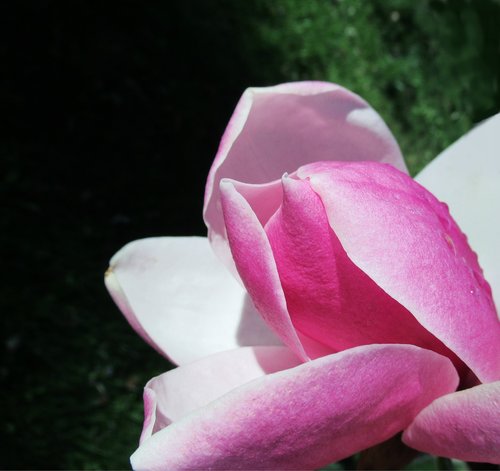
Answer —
405 241
328 297
177 295
305 417
467 177
178 392
464 425
277 129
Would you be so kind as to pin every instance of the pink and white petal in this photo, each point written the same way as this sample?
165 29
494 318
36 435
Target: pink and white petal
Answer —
404 239
328 297
277 129
305 417
178 392
466 176
181 299
254 260
264 199
463 425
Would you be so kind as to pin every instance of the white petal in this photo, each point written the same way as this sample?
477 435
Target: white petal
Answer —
182 300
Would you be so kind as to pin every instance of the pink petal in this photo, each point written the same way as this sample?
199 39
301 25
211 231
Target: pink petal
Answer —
464 425
179 298
178 392
254 261
264 199
328 297
407 243
305 417
277 129
466 176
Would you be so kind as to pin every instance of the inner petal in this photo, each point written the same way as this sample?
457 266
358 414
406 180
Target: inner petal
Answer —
328 297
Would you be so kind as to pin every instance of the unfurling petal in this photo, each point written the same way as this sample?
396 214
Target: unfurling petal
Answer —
277 129
463 425
180 299
466 176
304 417
405 240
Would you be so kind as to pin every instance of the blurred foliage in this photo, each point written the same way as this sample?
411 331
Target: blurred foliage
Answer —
114 114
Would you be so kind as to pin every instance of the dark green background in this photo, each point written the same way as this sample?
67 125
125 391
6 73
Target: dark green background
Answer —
112 114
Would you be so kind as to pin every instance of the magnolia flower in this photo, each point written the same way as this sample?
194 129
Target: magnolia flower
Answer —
341 303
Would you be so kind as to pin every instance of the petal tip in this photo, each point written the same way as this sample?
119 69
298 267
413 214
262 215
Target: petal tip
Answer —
111 280
226 186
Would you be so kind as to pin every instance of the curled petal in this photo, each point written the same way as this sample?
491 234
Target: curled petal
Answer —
180 299
277 129
463 425
263 199
254 260
405 240
305 417
466 176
